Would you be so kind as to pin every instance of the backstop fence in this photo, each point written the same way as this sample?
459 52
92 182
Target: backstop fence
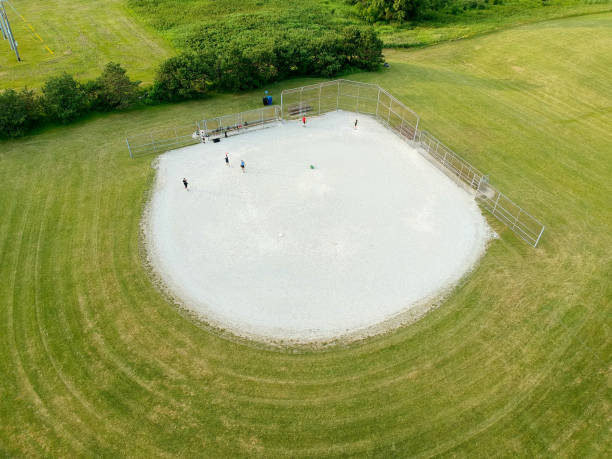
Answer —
151 141
355 97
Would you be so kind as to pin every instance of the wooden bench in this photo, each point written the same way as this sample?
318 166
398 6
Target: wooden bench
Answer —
299 109
407 131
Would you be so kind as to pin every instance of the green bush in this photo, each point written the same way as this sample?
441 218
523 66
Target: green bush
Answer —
181 77
397 10
252 60
363 47
64 99
113 90
19 112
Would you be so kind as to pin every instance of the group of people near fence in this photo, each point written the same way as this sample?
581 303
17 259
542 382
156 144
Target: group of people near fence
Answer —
242 163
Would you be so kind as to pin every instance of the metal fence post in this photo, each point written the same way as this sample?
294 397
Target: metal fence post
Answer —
129 149
281 107
377 102
516 218
338 97
479 182
200 134
496 201
539 236
320 97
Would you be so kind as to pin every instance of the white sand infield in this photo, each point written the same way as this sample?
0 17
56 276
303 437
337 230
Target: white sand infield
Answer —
287 252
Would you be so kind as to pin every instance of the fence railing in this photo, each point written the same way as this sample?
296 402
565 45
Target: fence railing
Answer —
514 217
160 140
499 205
238 122
448 159
373 100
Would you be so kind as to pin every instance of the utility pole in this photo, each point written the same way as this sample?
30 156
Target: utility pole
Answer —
7 32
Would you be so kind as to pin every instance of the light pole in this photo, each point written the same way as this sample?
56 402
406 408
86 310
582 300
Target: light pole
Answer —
7 32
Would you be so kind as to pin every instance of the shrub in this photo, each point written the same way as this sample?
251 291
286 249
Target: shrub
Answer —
397 10
19 112
363 48
113 90
182 77
64 99
252 61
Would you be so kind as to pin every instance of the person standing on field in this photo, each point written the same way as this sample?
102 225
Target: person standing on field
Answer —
303 121
227 160
356 124
242 165
185 183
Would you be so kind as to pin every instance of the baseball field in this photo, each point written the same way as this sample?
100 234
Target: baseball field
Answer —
95 360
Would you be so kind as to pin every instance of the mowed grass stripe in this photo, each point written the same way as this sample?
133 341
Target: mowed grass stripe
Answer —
572 275
25 344
516 359
82 37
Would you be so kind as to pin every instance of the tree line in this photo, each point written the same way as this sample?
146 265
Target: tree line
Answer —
416 10
207 65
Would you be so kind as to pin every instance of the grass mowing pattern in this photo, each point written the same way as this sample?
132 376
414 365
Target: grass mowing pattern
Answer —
445 25
517 360
83 36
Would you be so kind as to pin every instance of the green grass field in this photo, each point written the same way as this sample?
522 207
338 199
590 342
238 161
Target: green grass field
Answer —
473 22
517 361
81 37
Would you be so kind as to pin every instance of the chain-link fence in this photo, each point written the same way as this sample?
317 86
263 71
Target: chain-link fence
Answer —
237 123
503 208
160 140
356 97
